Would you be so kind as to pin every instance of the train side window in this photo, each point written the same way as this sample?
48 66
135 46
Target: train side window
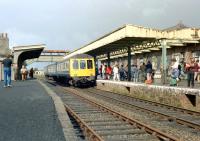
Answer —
75 64
82 64
89 64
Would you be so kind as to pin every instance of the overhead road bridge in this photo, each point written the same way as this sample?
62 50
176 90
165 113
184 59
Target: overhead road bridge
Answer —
49 56
130 41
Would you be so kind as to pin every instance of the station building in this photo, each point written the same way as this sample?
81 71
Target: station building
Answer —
131 44
181 49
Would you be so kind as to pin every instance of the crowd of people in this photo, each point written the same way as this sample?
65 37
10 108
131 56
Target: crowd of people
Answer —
190 70
145 73
25 72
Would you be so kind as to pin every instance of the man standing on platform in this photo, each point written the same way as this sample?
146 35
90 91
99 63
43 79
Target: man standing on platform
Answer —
7 71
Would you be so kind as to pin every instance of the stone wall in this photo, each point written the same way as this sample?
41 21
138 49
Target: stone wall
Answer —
4 44
180 97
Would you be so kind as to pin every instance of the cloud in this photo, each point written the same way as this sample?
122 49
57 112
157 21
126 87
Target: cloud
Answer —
67 24
18 37
150 12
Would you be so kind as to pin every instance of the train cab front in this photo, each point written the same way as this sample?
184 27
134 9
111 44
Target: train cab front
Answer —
86 81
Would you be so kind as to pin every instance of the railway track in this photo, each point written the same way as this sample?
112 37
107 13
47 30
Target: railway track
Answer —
101 123
181 116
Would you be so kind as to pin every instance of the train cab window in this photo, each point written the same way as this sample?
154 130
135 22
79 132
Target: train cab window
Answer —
75 64
89 64
82 64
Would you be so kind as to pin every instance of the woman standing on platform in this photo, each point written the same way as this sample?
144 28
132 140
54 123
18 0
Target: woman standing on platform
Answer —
31 73
190 68
116 73
175 73
149 72
196 69
103 71
23 72
142 73
134 73
109 72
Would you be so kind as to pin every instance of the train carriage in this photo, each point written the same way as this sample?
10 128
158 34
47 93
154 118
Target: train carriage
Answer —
77 70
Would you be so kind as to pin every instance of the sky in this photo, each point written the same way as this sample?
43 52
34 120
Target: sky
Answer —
70 24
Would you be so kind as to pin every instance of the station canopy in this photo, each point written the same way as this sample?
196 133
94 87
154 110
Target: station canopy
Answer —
140 39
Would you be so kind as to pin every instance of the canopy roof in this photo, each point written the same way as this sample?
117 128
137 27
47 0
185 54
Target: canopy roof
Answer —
135 36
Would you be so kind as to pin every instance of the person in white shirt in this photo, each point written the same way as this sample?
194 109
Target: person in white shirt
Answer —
116 73
103 71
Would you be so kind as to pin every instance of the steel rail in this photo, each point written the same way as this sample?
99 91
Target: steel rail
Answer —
169 117
89 132
153 131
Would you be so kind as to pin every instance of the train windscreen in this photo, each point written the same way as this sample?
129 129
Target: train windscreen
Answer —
82 64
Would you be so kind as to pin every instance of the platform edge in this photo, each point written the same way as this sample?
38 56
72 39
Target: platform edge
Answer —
66 125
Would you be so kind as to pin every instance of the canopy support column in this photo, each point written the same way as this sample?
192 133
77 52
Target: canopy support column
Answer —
96 66
164 61
108 56
129 63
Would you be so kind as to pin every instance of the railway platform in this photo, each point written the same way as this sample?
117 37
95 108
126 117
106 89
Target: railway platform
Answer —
179 96
28 113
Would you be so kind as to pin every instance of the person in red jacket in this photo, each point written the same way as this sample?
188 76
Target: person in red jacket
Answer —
108 72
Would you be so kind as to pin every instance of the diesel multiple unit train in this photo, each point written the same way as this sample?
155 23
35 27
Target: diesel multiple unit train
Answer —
77 70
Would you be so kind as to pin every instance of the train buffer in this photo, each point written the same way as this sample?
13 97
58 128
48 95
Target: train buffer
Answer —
28 113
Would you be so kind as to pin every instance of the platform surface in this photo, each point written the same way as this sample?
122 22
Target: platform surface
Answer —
27 113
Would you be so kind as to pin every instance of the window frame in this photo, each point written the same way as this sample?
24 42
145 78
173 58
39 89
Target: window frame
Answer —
85 64
77 64
91 65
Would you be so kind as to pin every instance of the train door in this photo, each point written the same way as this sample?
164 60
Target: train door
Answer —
91 67
74 67
83 68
